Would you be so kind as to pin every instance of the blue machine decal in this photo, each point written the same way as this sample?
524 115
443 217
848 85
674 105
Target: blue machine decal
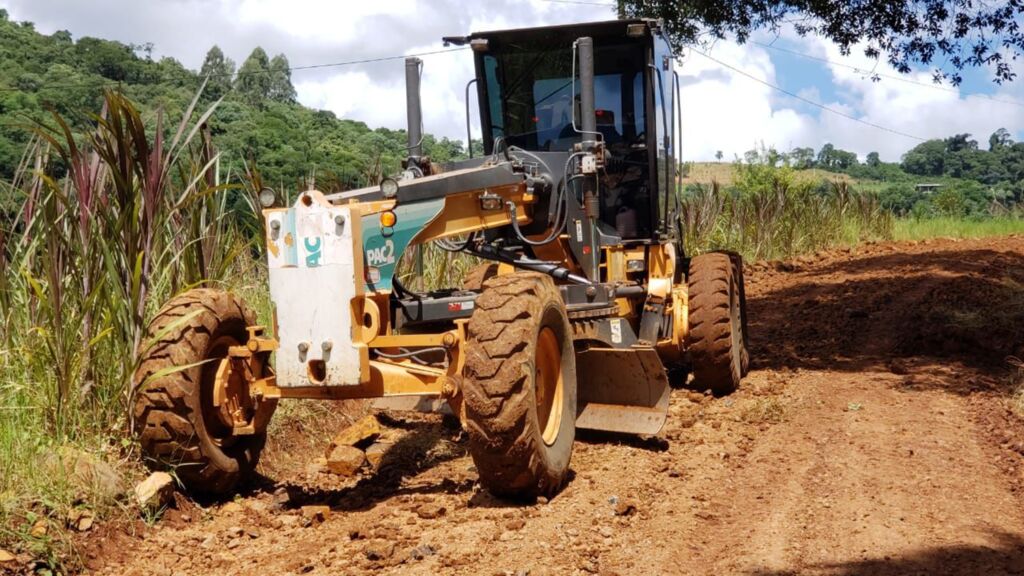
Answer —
383 248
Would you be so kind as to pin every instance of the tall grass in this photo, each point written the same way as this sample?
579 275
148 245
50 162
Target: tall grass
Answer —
949 227
114 220
768 213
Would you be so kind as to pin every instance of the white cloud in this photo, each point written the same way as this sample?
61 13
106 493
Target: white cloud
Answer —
726 111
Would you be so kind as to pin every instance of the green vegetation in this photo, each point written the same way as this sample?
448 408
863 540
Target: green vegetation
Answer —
769 212
115 220
947 36
949 188
257 123
947 227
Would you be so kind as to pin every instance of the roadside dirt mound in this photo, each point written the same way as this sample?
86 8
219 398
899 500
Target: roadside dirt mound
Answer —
873 436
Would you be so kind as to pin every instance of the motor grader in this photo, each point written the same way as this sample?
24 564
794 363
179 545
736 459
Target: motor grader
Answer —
583 306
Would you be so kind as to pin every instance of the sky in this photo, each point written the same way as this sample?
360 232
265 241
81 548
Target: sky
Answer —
762 93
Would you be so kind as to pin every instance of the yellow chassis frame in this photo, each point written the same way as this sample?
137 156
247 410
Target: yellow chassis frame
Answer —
381 378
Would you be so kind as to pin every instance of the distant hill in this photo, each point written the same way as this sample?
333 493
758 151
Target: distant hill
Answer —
258 119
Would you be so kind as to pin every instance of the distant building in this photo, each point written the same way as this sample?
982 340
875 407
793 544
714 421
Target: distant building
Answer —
927 188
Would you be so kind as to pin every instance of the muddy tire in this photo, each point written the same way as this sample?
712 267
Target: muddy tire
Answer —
174 414
737 270
477 275
519 386
715 339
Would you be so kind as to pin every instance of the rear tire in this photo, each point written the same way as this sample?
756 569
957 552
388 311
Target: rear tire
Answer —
519 386
174 414
477 275
715 340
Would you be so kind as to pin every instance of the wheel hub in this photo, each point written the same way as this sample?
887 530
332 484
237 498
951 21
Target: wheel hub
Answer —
232 406
549 385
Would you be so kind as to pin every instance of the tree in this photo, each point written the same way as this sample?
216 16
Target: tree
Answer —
112 60
844 159
825 156
960 33
872 160
999 139
960 142
281 89
926 159
832 158
218 71
718 155
802 158
253 81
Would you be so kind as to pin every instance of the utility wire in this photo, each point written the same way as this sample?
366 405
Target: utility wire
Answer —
807 100
888 76
111 83
583 3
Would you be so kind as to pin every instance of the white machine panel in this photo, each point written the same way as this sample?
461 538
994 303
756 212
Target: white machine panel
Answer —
311 258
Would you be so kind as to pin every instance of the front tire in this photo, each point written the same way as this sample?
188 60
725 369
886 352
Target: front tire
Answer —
175 418
519 386
715 341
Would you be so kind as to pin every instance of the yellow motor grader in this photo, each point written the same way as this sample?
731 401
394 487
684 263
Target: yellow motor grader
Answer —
583 305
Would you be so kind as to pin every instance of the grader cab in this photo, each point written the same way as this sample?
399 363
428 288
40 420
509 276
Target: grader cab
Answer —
583 305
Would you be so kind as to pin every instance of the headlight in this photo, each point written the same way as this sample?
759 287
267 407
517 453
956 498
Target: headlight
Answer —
389 188
268 198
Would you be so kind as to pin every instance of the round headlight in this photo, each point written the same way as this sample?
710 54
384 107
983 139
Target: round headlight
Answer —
267 197
389 187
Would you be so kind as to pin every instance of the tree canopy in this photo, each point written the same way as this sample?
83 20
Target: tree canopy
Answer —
945 35
258 123
219 71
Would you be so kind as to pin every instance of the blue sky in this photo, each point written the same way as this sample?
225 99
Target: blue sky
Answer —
723 109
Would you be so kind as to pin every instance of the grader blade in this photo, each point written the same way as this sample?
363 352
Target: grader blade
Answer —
413 403
621 390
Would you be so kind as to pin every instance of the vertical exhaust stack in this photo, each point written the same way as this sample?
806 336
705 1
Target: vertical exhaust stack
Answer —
413 112
588 110
593 155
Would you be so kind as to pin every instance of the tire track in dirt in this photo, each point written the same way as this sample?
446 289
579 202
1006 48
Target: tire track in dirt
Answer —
873 436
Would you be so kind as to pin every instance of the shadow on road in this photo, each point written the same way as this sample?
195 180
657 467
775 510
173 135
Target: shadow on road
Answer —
903 313
422 447
1005 558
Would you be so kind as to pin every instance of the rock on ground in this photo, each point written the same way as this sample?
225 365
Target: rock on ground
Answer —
155 491
345 460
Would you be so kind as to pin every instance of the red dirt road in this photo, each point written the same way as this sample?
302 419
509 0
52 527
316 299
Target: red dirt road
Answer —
873 435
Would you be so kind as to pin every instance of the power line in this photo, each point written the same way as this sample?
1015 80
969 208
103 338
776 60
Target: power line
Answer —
888 76
106 83
582 2
807 100
372 60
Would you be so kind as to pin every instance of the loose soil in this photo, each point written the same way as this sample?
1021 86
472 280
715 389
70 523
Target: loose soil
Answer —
874 435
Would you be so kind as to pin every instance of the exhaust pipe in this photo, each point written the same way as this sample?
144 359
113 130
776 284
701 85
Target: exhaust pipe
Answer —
413 112
589 144
588 111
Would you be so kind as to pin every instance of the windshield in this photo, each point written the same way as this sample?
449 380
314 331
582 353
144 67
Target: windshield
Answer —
532 98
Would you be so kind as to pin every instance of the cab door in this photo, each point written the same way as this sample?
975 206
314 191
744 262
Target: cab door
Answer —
665 137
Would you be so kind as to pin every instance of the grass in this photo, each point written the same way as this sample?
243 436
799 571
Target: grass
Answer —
114 220
770 410
949 227
1017 385
725 174
770 213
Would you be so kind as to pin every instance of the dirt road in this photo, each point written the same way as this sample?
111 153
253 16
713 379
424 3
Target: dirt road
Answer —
873 436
